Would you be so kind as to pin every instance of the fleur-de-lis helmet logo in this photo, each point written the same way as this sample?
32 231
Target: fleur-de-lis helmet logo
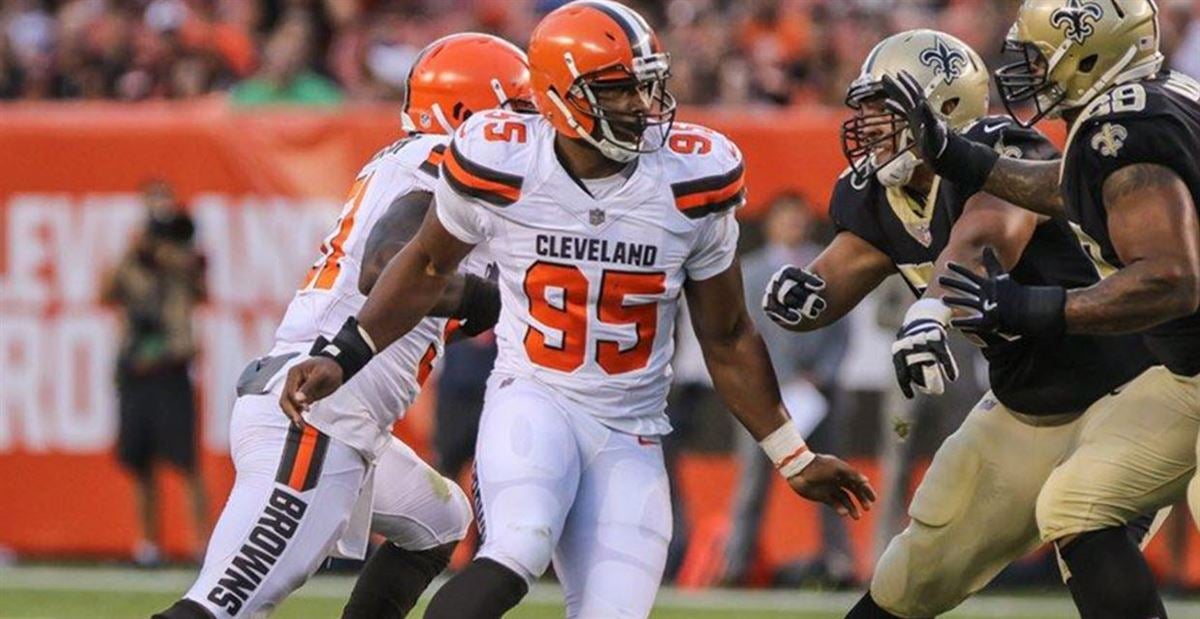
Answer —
1109 139
1076 19
945 60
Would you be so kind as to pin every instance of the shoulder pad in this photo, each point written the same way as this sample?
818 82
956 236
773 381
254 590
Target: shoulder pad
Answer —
415 151
1011 139
705 170
489 154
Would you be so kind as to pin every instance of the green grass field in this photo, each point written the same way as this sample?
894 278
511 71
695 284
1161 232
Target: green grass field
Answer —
58 592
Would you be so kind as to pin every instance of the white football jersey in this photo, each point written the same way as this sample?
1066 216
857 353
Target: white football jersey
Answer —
590 288
380 393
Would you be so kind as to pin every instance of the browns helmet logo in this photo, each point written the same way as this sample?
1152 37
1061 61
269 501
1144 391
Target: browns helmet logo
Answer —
944 60
1076 19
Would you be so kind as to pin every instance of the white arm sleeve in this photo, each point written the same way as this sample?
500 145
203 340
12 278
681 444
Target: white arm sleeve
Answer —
715 248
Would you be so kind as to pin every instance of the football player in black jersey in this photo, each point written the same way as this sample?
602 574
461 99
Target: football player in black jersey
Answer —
974 512
1130 179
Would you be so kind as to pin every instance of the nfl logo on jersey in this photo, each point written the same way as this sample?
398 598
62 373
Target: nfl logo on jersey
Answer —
596 216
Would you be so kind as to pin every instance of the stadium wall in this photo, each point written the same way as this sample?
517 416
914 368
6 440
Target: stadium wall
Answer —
263 187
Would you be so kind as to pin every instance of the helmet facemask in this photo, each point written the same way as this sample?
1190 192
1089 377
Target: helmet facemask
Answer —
1026 79
617 134
864 133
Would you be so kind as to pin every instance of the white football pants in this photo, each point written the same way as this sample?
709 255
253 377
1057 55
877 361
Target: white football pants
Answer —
294 497
555 483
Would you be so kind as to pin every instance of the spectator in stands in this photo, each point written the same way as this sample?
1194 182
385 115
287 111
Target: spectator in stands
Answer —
157 285
807 365
286 75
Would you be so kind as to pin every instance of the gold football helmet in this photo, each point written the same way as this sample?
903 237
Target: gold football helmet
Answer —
1073 50
875 140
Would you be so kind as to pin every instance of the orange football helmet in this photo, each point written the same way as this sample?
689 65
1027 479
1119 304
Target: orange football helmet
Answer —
458 75
590 45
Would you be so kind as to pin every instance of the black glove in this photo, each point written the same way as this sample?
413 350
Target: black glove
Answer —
792 296
965 163
479 308
1002 305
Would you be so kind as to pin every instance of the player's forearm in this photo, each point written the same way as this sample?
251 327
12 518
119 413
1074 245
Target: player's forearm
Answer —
1031 185
407 289
744 379
451 298
1140 295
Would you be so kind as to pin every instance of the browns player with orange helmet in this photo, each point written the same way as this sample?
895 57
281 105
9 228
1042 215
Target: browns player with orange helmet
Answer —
309 489
601 213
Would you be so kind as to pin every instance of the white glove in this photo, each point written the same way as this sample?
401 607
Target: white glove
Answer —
793 296
921 352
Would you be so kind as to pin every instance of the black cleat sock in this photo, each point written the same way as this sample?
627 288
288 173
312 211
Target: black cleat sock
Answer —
1110 578
184 609
393 579
866 608
485 590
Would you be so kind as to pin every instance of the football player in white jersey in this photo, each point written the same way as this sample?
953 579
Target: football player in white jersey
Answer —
304 492
599 212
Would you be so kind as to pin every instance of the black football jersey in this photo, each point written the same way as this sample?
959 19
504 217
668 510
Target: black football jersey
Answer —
1153 121
1029 375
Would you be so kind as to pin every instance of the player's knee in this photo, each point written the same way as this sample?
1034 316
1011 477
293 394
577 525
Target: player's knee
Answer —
441 520
916 576
526 548
1193 497
1055 518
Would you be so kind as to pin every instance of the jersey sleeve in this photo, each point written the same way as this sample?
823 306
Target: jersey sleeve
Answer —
715 248
850 211
1020 143
475 179
1109 144
706 170
461 215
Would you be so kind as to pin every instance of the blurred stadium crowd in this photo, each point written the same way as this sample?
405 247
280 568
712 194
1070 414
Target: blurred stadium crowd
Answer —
321 52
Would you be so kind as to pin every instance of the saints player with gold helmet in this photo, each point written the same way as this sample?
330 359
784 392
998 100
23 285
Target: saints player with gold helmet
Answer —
974 512
1130 180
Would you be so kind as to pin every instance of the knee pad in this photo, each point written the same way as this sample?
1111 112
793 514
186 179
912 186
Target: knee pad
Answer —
525 549
441 520
1055 519
910 579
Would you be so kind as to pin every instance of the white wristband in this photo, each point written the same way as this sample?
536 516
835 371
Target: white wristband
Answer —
787 451
931 309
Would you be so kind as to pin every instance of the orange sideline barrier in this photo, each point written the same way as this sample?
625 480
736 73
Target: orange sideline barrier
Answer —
263 187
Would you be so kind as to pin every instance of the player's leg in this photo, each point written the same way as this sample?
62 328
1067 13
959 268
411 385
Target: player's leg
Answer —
1136 454
613 550
526 473
423 515
291 500
972 515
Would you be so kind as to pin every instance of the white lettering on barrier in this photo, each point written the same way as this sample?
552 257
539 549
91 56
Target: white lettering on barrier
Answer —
58 344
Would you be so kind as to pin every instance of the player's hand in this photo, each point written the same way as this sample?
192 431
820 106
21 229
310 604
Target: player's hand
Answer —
830 481
793 296
906 98
921 353
307 382
1001 305
951 155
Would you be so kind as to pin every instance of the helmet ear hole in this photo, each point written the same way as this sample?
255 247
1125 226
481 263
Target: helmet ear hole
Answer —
1087 64
949 105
